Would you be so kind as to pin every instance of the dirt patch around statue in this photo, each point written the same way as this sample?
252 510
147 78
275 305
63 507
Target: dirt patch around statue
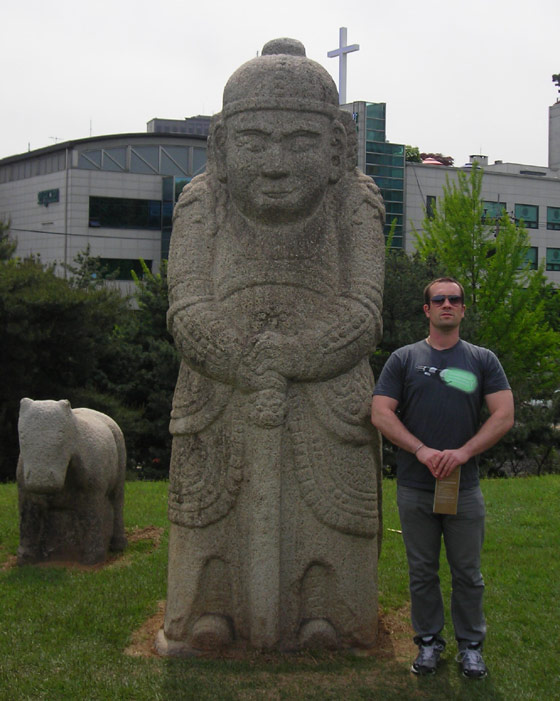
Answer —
394 641
133 535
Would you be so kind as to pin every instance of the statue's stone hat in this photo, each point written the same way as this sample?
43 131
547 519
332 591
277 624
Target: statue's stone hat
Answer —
282 77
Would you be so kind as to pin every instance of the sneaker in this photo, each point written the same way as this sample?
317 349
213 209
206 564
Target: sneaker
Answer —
429 651
472 664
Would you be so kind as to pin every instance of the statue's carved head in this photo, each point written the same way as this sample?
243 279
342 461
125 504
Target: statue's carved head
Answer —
279 140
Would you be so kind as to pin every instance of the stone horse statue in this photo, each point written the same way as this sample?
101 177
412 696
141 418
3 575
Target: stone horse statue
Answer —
70 478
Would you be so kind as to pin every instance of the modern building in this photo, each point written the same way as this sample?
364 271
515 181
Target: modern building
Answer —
114 193
528 193
383 161
117 192
198 125
525 192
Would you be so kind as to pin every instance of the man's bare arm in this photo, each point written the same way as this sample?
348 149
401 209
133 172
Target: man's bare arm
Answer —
500 406
384 418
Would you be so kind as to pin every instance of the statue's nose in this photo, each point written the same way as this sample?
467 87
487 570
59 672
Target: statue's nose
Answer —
274 165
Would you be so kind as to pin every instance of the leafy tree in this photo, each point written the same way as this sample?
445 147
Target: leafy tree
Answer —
404 320
7 246
444 160
87 271
53 336
507 302
140 368
412 154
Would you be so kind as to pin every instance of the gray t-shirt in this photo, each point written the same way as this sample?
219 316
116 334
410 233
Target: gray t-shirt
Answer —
437 413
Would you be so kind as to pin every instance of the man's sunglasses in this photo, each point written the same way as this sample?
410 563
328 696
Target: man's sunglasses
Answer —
454 300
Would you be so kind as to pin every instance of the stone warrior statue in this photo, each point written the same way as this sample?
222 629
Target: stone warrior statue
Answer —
275 284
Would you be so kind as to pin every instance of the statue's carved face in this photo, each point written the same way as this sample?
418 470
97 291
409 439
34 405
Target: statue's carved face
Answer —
278 163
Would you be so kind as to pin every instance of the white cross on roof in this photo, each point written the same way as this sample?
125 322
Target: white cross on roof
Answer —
342 52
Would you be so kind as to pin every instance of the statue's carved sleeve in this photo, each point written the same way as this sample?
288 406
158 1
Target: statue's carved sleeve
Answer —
206 338
356 325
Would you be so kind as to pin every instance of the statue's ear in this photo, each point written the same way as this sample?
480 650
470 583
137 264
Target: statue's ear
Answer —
218 148
338 151
25 403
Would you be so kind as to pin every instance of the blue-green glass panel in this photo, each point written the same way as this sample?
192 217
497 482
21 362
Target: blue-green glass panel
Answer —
393 207
384 147
179 185
529 213
531 257
553 218
376 110
553 258
393 195
493 210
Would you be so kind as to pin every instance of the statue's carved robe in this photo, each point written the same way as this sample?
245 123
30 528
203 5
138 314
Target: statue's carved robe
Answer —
320 283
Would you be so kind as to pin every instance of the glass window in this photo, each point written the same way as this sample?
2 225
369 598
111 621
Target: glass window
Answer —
393 195
167 185
553 218
124 267
553 258
123 213
431 206
375 110
179 185
384 147
144 159
385 183
199 160
114 159
90 160
374 136
493 210
532 257
377 125
386 171
395 207
529 213
178 156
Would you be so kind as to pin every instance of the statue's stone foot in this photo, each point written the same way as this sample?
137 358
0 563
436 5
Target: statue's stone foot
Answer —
318 633
166 647
211 632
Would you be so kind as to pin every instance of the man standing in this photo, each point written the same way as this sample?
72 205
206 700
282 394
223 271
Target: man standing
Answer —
436 426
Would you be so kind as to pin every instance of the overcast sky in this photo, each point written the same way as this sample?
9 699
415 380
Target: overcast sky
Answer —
459 77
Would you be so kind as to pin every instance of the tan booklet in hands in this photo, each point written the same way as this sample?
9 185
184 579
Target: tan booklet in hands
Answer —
447 493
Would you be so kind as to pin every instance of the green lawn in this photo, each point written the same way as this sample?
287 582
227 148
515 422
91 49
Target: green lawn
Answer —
63 632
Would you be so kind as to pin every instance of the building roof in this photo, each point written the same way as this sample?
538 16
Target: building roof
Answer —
62 145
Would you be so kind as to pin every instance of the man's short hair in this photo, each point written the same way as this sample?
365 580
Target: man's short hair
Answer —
427 296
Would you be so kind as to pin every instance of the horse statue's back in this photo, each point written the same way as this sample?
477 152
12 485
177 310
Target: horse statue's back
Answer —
70 476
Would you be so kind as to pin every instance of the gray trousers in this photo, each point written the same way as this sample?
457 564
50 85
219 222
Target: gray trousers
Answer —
463 535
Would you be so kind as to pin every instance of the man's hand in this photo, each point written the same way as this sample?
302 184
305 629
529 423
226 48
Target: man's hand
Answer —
447 461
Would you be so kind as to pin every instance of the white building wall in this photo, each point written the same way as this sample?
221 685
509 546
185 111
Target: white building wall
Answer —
505 187
31 222
107 242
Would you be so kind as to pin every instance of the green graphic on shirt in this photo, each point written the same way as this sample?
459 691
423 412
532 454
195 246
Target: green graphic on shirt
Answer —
463 380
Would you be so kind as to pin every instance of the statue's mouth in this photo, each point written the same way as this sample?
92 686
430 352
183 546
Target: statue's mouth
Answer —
277 194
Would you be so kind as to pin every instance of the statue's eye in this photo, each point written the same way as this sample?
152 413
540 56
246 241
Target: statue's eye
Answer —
255 143
303 141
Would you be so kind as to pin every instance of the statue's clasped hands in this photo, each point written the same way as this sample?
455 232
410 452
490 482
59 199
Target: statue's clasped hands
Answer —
262 371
